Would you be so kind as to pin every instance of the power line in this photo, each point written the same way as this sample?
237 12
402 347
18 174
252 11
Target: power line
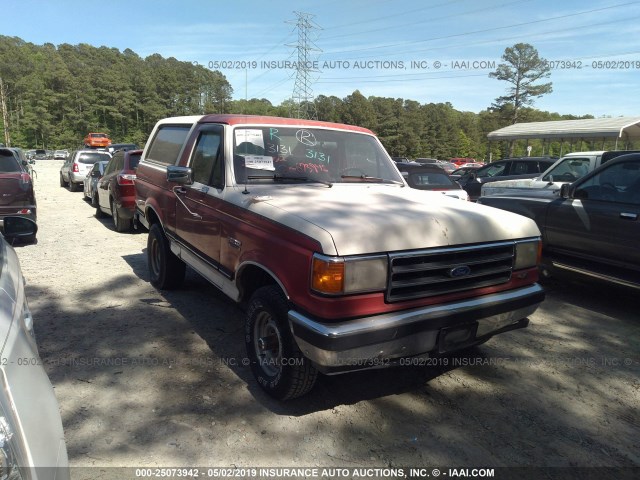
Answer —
422 22
371 20
493 29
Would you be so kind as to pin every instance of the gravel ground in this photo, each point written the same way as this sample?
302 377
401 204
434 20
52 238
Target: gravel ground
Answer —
156 379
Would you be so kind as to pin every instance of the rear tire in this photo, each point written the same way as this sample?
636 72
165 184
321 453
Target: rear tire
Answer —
276 361
72 186
100 213
121 225
166 271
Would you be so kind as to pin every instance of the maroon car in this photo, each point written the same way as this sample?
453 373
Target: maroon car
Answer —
16 187
116 191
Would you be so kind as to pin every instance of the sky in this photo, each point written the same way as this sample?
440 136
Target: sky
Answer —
424 50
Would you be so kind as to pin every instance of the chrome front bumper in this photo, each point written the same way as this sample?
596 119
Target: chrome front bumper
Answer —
365 342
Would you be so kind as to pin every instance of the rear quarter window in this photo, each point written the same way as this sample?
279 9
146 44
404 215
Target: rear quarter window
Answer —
167 144
134 160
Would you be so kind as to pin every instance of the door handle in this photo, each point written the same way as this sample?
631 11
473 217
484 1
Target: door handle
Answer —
628 216
183 190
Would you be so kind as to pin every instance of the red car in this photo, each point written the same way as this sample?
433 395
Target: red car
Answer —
16 187
97 140
461 161
116 191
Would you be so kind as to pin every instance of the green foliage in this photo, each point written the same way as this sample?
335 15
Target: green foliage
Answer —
56 95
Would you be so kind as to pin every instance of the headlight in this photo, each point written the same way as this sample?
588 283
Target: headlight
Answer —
8 462
345 275
528 253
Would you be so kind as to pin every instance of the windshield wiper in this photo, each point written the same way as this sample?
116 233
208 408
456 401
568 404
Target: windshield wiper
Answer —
277 177
367 178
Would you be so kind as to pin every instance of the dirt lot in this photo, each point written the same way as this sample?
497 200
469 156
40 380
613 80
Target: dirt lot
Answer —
149 378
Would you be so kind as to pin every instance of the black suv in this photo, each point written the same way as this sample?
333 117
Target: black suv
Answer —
507 169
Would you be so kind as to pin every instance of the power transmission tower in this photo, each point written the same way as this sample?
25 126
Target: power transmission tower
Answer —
302 98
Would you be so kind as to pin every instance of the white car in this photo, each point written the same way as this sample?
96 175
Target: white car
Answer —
60 154
31 437
76 167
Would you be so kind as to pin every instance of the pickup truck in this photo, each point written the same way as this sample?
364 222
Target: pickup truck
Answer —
507 169
566 170
591 226
339 264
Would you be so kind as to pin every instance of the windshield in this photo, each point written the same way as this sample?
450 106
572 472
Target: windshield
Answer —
292 154
491 170
569 170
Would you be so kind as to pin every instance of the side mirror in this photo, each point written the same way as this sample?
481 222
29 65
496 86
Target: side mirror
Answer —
32 161
565 190
17 226
550 180
180 175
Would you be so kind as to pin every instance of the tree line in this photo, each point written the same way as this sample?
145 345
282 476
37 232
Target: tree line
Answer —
51 97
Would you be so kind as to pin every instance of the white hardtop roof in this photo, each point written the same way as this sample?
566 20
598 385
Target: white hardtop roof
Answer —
575 154
619 127
183 119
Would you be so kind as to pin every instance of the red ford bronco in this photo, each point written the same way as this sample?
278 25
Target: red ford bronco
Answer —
341 265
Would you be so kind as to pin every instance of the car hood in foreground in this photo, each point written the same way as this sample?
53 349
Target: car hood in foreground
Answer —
360 219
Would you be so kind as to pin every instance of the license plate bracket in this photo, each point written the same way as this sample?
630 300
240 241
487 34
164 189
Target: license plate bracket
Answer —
455 338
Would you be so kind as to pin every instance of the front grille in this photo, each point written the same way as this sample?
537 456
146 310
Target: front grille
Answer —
446 270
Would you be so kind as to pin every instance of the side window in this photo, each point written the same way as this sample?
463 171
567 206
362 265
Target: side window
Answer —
569 170
617 184
523 168
167 144
206 161
112 165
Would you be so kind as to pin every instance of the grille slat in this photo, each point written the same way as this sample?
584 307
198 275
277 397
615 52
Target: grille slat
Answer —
440 271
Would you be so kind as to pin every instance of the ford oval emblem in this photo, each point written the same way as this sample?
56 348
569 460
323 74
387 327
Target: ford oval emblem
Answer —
460 271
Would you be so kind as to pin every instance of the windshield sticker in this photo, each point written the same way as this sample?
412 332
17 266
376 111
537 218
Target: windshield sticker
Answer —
306 137
246 135
259 162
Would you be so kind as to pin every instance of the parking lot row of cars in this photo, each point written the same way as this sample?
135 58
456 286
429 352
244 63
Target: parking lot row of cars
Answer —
107 181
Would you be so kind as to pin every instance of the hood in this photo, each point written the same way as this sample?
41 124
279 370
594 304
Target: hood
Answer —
364 219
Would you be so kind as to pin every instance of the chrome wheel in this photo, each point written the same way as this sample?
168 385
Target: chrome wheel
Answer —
267 344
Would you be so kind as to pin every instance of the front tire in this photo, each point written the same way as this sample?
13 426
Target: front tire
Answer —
166 271
276 361
62 182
